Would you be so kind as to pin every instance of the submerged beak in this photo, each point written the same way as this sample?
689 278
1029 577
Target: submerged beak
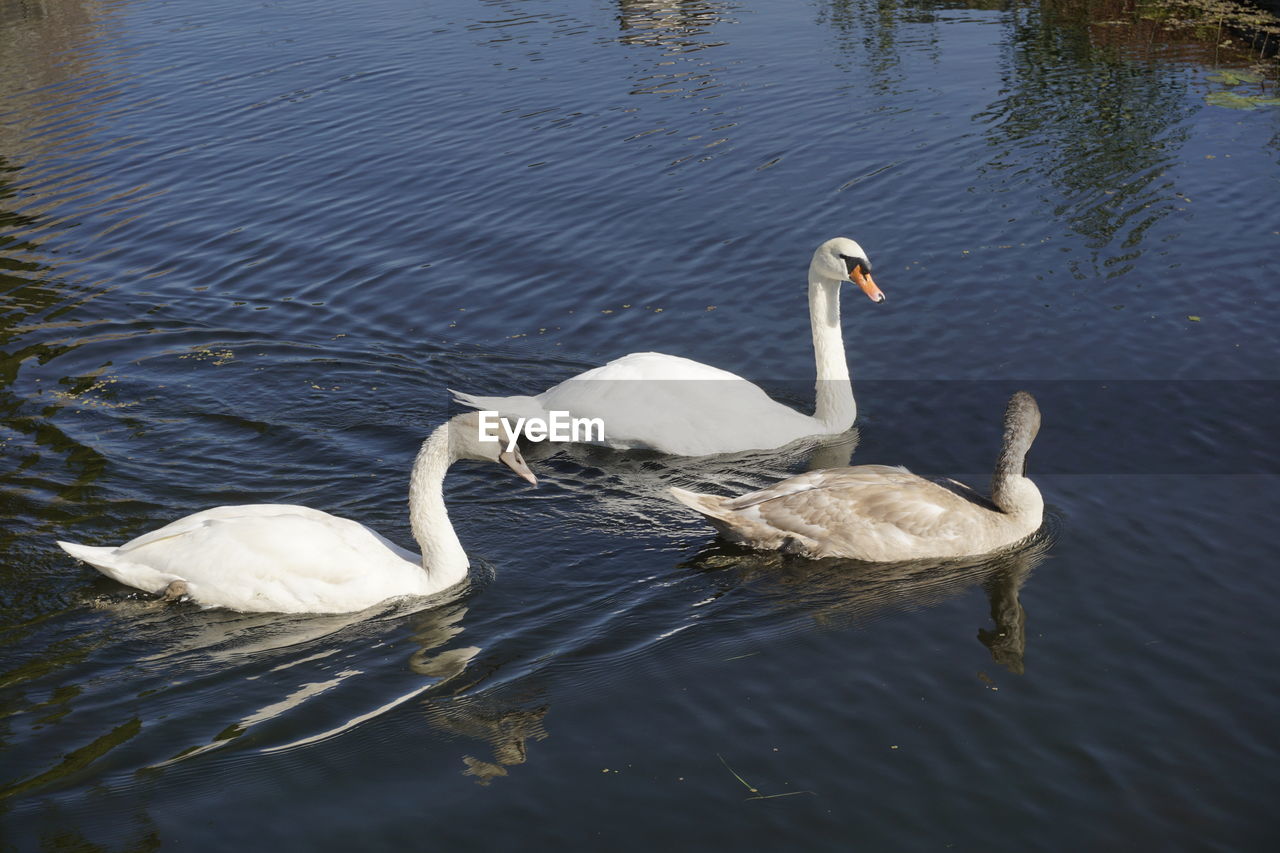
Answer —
868 286
513 460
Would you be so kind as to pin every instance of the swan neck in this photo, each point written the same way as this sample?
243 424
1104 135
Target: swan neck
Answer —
1012 492
443 558
833 392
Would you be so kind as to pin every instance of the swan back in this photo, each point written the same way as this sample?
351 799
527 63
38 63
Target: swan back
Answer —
677 405
265 557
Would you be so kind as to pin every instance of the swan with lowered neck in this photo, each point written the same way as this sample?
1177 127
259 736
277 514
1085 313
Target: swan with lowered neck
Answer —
293 559
880 514
721 412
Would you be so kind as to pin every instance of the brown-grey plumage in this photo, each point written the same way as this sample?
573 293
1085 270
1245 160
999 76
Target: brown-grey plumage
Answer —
879 513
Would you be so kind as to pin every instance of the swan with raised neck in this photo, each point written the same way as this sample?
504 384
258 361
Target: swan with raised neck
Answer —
883 514
717 412
835 261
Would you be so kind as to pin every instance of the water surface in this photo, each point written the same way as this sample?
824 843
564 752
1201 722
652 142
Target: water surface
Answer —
247 247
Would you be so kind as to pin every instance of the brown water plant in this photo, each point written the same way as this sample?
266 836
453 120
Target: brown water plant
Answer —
1237 33
1213 32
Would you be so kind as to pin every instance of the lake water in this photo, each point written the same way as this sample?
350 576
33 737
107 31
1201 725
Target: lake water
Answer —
247 246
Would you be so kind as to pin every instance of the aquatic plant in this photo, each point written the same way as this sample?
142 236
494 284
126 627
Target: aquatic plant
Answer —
1221 33
1239 102
1225 31
1213 18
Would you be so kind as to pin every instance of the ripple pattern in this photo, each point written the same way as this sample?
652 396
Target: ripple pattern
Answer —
245 248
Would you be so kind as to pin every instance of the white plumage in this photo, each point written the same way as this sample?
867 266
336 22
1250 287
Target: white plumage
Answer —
654 401
294 559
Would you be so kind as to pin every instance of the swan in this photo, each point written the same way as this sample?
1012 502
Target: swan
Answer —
292 559
879 513
721 413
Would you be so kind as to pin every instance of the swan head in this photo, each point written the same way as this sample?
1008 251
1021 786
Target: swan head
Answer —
465 443
842 259
1021 422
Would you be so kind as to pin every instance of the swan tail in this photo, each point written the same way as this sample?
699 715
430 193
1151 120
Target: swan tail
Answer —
91 554
709 505
519 406
107 560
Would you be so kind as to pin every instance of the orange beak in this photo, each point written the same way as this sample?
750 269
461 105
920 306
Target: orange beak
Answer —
867 284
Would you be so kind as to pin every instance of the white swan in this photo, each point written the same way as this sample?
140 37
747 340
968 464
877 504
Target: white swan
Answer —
293 559
878 513
719 412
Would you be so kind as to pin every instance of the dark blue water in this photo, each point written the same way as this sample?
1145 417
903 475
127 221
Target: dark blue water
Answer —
245 248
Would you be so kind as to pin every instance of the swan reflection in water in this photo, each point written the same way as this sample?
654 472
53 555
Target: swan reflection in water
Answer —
286 662
505 725
837 591
828 590
292 660
459 707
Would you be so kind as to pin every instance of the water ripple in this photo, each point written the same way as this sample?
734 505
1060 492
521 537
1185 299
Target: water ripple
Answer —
245 251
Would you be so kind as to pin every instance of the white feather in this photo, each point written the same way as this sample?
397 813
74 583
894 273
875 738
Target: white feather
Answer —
294 559
649 400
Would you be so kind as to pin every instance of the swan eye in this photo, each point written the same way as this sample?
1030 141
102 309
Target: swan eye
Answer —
851 263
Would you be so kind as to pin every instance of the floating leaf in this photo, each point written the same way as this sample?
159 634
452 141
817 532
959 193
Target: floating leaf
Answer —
1195 318
1239 102
1232 78
1230 100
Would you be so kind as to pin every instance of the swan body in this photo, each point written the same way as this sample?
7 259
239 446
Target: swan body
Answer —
730 414
654 401
294 559
881 514
272 557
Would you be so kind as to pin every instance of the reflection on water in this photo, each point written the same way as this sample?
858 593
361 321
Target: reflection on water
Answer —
1205 32
286 668
882 32
56 93
233 253
1008 640
837 592
1104 134
60 87
310 668
677 26
1202 31
505 726
42 467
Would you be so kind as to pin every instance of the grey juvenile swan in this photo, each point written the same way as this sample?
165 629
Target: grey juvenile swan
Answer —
879 513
